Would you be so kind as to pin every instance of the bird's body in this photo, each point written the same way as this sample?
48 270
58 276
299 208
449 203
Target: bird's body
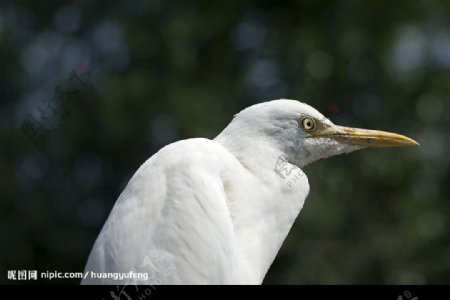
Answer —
201 213
213 211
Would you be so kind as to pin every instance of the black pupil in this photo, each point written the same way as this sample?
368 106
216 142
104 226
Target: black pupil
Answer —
308 124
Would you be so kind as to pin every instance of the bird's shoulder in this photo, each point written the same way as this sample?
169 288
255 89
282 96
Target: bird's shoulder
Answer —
177 165
189 156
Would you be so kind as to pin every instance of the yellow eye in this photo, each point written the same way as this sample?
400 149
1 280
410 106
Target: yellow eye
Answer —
308 124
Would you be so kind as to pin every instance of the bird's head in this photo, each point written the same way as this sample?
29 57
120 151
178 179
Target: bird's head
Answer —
303 135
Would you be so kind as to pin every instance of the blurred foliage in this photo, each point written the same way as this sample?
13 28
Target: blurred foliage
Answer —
169 70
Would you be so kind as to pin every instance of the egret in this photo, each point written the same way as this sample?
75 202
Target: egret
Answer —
217 211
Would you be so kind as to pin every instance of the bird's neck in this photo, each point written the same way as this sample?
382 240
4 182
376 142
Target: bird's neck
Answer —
264 211
256 154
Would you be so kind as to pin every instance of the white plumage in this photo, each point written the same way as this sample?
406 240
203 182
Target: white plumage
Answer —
217 211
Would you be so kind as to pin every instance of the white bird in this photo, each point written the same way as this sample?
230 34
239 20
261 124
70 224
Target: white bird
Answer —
217 211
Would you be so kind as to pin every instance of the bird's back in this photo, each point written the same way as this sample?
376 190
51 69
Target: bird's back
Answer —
172 222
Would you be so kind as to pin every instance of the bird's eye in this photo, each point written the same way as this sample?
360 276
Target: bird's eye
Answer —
308 124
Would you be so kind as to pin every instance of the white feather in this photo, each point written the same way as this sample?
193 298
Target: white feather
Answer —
210 211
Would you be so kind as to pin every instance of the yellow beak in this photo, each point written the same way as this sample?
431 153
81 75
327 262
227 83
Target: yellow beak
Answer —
364 137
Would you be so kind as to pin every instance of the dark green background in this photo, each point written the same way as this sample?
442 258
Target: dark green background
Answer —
169 70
